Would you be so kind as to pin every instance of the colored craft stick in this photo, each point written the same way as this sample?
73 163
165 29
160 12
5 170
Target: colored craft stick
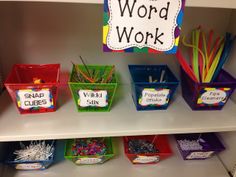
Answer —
195 54
191 57
185 66
211 33
96 76
150 79
110 74
214 50
214 64
198 51
78 70
201 60
192 53
205 51
227 49
85 66
162 75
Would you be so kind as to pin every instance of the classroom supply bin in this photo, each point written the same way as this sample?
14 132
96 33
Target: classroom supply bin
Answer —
161 143
28 165
93 97
199 146
89 159
155 94
34 88
207 96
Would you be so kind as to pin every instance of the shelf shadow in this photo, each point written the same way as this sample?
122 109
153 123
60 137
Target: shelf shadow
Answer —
64 94
5 102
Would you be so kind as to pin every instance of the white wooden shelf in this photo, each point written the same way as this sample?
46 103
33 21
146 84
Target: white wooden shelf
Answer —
231 4
121 166
123 120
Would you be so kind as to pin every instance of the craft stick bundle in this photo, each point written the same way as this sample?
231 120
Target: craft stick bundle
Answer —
153 79
207 55
91 74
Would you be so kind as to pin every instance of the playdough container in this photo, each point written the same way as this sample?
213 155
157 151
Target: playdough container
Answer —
91 159
93 97
207 96
199 146
27 165
155 94
161 143
30 97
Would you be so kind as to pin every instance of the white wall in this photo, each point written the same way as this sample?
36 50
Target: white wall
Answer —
59 32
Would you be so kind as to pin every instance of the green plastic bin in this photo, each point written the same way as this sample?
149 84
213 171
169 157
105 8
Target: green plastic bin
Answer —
88 160
88 103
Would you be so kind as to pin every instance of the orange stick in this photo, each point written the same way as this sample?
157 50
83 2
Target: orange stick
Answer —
82 73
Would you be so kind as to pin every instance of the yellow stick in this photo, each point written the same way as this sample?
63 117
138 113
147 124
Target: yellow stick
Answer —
214 64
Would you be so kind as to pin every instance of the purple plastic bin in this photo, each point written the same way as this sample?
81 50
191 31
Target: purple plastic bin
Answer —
208 96
198 146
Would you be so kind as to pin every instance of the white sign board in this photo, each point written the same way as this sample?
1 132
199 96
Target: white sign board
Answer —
200 155
213 97
92 98
29 166
153 24
88 161
29 98
146 159
154 97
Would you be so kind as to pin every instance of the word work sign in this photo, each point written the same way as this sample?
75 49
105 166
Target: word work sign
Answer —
150 26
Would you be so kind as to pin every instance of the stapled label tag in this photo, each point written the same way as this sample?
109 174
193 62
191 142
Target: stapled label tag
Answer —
157 97
30 98
200 155
88 161
213 96
93 98
146 159
29 166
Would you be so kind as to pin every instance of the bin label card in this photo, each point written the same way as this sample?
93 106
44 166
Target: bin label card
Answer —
88 161
200 155
29 166
213 96
154 97
32 98
93 98
150 26
146 159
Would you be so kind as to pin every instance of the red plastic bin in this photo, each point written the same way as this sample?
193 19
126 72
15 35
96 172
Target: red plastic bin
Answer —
161 143
28 96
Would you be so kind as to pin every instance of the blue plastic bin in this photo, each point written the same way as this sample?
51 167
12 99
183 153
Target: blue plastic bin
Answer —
199 146
147 91
27 165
